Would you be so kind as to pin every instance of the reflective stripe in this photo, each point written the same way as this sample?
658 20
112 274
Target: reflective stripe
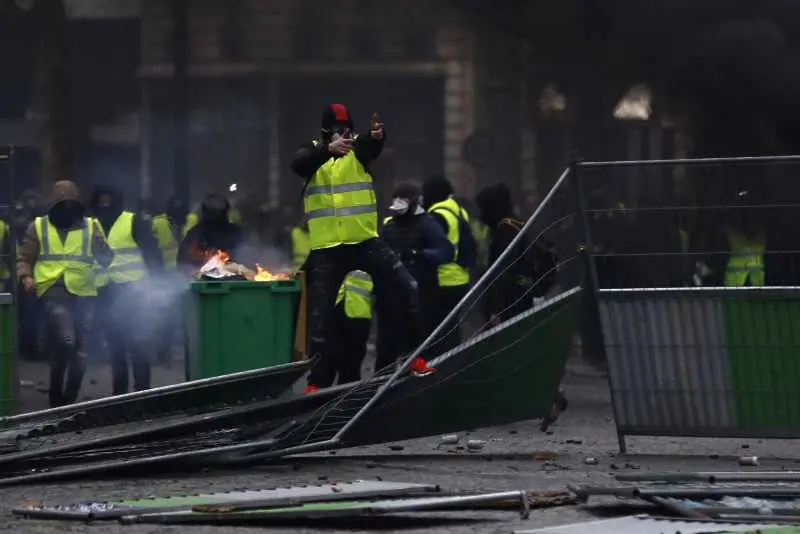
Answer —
65 257
341 188
358 291
360 275
85 257
335 212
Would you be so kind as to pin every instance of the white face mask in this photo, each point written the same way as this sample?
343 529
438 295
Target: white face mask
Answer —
399 206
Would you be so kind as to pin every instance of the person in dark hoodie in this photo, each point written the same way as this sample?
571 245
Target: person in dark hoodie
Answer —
422 246
214 232
57 261
532 273
136 254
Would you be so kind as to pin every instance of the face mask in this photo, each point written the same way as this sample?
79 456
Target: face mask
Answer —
400 206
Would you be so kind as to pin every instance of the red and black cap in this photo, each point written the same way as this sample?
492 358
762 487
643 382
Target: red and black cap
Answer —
336 114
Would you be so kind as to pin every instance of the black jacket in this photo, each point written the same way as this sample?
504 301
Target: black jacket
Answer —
310 156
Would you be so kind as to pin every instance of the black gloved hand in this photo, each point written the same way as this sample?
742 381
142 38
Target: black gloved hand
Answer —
410 255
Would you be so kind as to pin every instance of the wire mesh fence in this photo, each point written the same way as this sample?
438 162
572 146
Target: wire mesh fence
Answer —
697 274
674 223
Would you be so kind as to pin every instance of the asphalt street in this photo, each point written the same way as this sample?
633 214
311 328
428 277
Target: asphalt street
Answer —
514 457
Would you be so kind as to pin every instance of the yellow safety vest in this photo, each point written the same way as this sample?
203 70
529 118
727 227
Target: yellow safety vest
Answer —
5 263
746 261
481 233
128 264
234 216
340 204
451 274
71 260
301 247
356 291
166 241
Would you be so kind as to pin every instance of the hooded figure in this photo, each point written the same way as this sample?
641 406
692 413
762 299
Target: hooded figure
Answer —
120 287
531 271
214 232
56 260
340 206
422 246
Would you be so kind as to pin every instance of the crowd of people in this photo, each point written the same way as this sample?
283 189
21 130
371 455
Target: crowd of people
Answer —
85 270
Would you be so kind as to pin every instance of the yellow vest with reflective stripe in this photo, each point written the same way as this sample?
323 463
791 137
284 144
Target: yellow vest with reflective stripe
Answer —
340 204
356 291
5 263
166 241
481 233
128 265
301 247
451 274
71 260
746 261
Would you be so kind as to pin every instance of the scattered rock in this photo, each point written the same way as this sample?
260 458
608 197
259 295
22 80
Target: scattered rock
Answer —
614 466
575 441
450 439
475 444
322 477
543 456
590 460
633 466
396 447
460 448
745 446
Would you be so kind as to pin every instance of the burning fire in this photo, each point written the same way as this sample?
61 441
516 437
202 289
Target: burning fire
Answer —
219 262
263 275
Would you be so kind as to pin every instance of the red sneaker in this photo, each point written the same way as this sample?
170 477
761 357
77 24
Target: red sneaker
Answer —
310 389
420 367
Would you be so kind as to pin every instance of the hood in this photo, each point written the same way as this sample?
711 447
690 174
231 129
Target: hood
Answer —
494 204
405 201
63 191
435 189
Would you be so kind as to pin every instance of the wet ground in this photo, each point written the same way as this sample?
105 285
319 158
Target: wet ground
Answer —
509 461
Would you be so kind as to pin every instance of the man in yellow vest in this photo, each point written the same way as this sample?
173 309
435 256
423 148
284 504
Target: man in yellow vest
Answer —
57 261
170 227
353 324
454 277
301 245
340 206
128 328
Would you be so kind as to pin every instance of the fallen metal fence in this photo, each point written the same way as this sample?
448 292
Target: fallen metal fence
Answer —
689 354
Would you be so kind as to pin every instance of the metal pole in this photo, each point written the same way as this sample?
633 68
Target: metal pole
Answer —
713 477
692 161
456 311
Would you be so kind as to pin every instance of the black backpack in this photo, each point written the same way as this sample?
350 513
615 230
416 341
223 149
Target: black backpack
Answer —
467 254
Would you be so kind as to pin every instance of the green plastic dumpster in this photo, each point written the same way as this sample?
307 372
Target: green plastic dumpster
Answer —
8 360
238 325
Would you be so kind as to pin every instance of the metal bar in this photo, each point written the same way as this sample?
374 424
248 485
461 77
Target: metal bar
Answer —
712 477
776 491
457 309
151 393
690 161
738 292
671 506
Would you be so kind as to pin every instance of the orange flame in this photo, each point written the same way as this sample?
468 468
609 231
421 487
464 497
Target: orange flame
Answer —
263 275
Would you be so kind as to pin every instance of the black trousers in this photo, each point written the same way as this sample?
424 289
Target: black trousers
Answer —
127 349
326 270
446 299
391 344
63 331
352 336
